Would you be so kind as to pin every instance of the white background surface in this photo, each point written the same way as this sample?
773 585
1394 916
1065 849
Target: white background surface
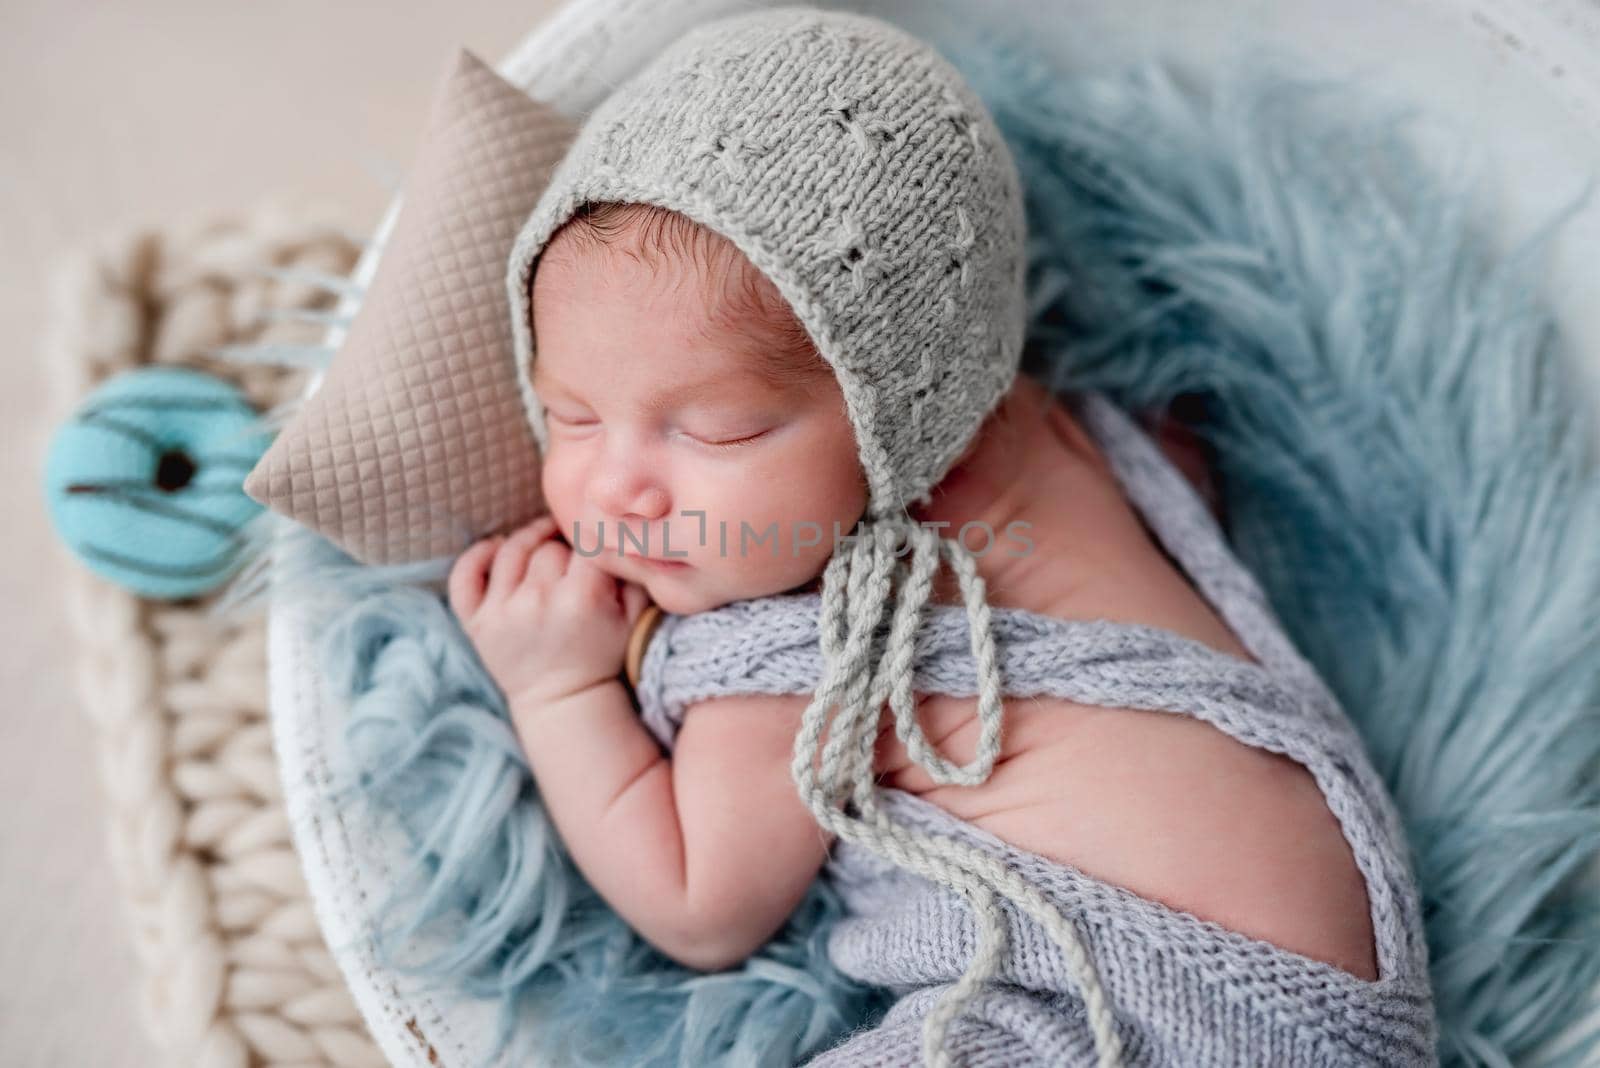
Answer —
136 115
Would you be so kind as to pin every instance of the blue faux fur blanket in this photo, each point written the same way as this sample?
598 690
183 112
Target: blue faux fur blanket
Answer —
1405 463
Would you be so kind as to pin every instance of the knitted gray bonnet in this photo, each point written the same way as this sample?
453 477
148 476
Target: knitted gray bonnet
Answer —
856 169
853 166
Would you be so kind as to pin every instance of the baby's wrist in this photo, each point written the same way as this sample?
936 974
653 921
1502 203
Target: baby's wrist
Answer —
562 692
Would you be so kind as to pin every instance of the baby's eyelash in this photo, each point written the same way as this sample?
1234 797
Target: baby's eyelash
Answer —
735 443
732 443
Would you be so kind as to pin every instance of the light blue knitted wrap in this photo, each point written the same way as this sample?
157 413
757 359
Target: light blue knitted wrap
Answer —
1182 991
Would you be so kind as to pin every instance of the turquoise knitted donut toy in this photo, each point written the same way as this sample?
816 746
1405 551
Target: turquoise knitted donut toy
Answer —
145 481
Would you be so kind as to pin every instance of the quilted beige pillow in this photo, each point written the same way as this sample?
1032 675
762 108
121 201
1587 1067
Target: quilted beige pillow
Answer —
416 443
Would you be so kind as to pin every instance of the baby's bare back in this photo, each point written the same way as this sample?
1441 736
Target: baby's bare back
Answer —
1165 805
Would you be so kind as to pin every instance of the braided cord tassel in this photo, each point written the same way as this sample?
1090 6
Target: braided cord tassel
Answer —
857 585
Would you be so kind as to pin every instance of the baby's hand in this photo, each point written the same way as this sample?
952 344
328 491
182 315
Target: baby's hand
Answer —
545 621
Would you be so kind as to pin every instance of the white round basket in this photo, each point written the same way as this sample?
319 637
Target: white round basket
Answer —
1521 79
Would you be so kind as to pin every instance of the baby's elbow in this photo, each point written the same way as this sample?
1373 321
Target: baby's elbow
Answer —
707 953
718 938
729 917
706 950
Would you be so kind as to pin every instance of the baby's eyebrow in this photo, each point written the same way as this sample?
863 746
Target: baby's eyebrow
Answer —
685 392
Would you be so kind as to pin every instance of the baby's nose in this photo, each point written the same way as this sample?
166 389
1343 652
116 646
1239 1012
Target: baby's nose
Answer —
629 491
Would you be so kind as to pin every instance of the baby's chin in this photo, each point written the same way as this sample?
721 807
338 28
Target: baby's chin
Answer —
693 589
682 602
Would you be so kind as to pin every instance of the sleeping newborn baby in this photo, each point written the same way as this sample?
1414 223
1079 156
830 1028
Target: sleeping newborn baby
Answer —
1148 855
674 380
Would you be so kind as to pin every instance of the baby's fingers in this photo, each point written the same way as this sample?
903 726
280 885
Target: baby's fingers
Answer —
594 583
511 562
469 575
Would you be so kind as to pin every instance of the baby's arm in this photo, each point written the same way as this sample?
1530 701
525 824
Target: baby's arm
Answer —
704 855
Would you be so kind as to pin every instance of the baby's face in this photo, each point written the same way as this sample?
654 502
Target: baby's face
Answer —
657 413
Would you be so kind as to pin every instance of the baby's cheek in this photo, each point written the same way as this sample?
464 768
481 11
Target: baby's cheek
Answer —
830 482
737 558
559 485
808 493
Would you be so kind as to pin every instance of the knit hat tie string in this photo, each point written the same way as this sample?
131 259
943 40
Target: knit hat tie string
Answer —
861 670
